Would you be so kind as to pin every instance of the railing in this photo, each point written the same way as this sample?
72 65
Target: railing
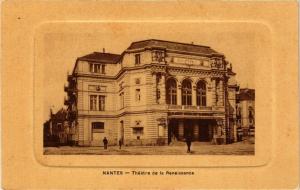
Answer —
218 108
189 107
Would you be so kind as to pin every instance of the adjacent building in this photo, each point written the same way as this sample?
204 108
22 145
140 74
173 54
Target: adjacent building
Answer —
57 130
155 93
246 111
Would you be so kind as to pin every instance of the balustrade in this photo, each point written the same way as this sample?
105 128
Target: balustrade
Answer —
188 107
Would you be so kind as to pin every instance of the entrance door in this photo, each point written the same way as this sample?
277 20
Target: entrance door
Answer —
172 130
188 128
97 133
204 133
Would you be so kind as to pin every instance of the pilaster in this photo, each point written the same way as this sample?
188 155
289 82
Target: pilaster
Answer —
221 93
194 95
154 89
163 89
179 94
213 92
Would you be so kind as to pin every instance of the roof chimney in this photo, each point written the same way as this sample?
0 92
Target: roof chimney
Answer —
103 50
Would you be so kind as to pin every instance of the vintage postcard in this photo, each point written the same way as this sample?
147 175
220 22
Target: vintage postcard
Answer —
148 93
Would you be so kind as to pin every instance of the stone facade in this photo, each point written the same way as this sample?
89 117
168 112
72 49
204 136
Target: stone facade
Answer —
155 93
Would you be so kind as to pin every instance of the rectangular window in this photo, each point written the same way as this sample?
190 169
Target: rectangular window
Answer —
103 69
97 68
101 103
138 131
137 81
189 100
91 67
93 102
158 56
122 105
137 95
98 127
137 59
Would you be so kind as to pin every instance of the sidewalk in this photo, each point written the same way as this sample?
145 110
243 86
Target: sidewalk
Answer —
240 148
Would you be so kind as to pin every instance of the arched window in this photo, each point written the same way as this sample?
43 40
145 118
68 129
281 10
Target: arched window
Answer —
171 89
251 115
186 89
201 93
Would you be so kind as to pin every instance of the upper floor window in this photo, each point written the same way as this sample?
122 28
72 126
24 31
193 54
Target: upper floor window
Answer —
97 68
94 99
201 93
137 81
93 102
158 56
137 95
101 103
122 104
186 92
137 59
251 115
103 69
171 89
251 112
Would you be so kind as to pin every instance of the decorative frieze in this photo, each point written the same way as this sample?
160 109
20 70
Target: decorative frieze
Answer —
97 88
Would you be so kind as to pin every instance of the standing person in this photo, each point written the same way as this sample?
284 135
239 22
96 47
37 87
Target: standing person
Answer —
188 141
105 142
120 143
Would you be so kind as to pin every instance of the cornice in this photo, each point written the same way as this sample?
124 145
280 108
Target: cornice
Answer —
159 68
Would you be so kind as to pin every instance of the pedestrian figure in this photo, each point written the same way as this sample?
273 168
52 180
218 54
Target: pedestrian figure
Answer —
105 142
239 134
120 143
188 141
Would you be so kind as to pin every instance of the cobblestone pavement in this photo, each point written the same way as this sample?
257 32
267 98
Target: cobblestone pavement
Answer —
241 148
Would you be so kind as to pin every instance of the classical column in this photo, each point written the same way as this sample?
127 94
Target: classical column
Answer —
194 95
209 95
221 94
181 129
163 89
179 94
155 100
213 92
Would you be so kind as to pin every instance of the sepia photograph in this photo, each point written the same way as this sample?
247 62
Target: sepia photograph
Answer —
158 92
149 95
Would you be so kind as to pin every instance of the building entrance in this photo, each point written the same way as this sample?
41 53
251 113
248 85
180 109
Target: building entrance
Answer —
204 133
199 129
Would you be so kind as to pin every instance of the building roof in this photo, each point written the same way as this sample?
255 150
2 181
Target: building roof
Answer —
59 116
175 46
101 57
246 94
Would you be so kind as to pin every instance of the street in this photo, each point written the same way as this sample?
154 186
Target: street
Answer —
240 148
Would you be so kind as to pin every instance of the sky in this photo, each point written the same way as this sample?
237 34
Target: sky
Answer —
243 44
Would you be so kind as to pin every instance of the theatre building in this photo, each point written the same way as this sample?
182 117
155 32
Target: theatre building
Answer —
155 93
